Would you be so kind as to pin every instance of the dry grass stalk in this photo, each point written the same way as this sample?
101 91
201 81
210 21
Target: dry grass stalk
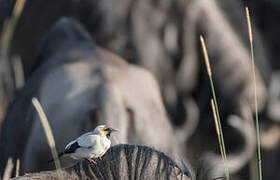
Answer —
218 132
249 24
17 167
10 25
48 133
8 169
215 117
6 78
206 56
18 72
255 92
18 7
221 140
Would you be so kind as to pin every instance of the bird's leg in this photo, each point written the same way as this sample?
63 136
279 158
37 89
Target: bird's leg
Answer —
91 160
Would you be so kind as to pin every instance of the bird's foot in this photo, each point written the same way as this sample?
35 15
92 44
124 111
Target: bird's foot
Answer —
100 158
91 160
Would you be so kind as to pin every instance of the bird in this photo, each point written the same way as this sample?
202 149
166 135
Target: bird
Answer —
91 145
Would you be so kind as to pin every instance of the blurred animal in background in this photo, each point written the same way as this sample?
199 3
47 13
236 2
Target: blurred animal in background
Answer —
79 86
162 36
186 81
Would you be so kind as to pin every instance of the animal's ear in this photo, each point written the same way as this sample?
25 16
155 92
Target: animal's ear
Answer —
95 116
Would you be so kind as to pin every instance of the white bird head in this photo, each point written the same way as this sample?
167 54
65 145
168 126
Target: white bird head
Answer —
103 129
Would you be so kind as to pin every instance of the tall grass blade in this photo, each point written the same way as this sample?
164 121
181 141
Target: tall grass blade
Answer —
8 169
7 88
10 25
255 92
48 133
17 167
18 72
222 143
217 129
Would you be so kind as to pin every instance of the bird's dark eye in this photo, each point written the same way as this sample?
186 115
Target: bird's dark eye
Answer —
107 129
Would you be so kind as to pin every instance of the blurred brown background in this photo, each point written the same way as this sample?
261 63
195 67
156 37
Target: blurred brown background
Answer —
162 36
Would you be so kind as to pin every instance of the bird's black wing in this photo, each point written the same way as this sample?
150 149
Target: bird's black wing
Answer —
72 148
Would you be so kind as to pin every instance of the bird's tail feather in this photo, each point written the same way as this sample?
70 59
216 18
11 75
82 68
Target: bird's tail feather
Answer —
59 155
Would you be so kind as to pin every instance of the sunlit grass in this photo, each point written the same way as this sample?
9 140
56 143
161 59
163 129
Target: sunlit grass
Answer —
217 127
7 88
8 169
17 167
255 92
49 134
216 109
10 25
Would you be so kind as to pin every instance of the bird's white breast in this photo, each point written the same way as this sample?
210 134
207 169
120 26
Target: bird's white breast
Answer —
101 148
98 148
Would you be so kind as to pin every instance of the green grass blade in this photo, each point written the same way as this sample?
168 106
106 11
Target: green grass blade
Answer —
255 92
221 139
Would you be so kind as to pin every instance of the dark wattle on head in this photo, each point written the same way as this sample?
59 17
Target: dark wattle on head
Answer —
108 131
